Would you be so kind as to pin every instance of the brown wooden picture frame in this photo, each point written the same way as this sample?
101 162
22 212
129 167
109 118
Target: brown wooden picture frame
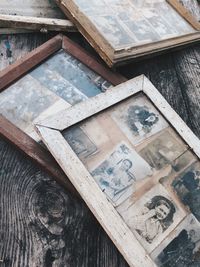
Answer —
51 130
114 57
21 67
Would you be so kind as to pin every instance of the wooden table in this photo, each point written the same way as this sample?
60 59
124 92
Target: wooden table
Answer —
43 225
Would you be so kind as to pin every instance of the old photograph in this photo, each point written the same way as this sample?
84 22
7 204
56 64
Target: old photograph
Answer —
119 172
163 150
184 161
138 119
80 142
113 31
24 101
184 249
187 187
152 217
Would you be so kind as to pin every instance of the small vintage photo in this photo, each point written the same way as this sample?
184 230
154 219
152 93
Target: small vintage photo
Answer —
80 142
119 172
138 119
163 150
152 217
187 187
186 159
184 248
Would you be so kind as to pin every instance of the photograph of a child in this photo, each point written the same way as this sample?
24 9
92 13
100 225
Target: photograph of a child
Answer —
138 119
163 150
118 173
80 142
184 249
187 187
152 217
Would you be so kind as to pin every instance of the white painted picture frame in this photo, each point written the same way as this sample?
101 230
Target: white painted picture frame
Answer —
50 131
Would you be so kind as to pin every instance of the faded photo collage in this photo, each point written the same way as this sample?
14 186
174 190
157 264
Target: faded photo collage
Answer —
135 22
140 163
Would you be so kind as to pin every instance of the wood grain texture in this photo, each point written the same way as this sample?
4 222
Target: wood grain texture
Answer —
193 7
27 213
186 13
34 8
34 151
14 47
42 225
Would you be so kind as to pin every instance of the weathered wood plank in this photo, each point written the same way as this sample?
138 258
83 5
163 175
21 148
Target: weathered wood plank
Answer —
36 24
34 151
42 225
14 47
186 13
193 7
13 31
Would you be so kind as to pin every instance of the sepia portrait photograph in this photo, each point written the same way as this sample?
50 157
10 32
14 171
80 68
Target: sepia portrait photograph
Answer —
119 172
184 249
80 142
138 119
152 217
187 187
163 150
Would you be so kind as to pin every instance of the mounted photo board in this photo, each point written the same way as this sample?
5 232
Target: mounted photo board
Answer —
39 15
121 31
136 165
58 73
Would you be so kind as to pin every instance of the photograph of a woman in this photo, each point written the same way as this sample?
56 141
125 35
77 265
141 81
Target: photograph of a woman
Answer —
153 216
156 217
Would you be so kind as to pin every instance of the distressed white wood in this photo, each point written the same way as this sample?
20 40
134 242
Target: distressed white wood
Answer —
68 117
34 23
173 118
41 9
104 211
35 8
